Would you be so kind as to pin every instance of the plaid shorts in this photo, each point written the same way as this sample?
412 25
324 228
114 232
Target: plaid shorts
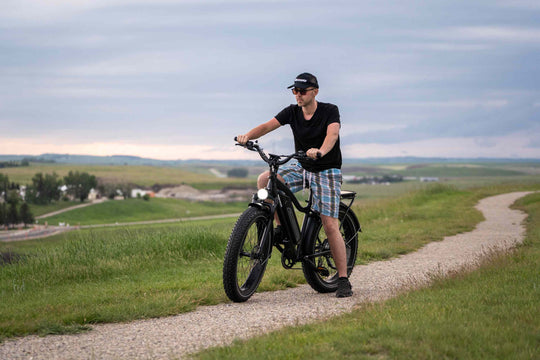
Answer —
326 186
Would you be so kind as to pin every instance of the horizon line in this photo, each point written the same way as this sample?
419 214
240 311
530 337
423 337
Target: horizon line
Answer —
243 159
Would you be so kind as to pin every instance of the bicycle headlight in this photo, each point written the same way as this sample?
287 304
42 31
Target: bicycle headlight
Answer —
262 194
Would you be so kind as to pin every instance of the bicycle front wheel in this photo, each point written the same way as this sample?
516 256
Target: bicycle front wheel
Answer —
247 254
319 267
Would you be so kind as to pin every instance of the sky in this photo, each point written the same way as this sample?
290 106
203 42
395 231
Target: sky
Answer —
179 79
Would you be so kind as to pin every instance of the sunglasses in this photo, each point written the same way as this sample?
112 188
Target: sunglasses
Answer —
297 91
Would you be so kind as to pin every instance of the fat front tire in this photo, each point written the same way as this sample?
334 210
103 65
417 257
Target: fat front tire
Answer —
321 271
245 260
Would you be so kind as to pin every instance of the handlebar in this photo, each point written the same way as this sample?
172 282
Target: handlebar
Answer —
299 155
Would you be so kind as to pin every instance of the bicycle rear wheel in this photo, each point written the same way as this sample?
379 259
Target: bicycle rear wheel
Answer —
320 270
247 254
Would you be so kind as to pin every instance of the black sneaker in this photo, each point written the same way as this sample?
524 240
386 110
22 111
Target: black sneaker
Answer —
344 288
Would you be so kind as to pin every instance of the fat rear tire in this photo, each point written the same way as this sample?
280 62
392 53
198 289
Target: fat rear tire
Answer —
321 272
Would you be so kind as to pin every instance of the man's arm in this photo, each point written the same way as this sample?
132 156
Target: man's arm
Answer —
332 134
259 131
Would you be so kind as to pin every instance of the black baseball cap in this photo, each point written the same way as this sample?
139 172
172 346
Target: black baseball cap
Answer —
305 80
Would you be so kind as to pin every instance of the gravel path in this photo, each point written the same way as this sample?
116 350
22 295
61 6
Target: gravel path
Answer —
176 336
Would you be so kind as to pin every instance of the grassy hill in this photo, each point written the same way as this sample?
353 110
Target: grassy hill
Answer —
131 210
133 174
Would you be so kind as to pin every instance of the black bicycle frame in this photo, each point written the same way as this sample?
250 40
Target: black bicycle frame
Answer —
311 222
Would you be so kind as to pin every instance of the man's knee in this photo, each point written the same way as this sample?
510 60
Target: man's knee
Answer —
262 180
330 224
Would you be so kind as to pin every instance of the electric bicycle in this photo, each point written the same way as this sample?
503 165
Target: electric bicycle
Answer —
252 239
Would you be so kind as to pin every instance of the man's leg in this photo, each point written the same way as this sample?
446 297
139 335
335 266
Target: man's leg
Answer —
337 244
262 181
339 252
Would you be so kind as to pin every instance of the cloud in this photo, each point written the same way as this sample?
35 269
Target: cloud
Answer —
86 92
455 104
29 146
509 146
448 46
140 64
199 72
486 33
519 4
29 13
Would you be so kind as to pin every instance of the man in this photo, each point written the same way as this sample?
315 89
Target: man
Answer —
315 127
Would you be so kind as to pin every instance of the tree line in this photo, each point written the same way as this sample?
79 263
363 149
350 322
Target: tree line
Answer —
6 164
45 188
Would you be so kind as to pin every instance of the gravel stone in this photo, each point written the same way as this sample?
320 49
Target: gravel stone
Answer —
177 336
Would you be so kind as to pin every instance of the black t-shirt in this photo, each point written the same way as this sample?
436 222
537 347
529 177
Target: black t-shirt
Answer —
311 133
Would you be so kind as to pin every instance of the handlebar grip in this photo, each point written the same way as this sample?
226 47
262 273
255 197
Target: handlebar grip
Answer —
248 143
319 155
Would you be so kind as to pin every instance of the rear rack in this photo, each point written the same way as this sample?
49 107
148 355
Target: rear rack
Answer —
346 194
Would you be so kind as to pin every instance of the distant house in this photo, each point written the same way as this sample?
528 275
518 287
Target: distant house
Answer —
93 195
135 193
22 192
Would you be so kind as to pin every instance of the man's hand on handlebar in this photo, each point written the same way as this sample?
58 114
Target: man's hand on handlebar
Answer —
242 139
314 153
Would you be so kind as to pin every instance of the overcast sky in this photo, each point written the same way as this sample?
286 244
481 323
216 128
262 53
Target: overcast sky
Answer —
179 79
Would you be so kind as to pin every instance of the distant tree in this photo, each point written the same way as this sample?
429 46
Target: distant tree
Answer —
80 184
25 214
238 173
44 189
124 190
4 185
4 181
12 217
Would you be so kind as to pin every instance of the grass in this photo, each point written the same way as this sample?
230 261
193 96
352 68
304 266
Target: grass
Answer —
38 210
446 170
115 174
400 225
366 191
112 275
491 313
66 282
458 170
131 210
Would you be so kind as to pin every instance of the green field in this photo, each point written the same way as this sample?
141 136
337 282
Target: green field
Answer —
144 176
446 170
131 210
491 313
201 178
38 210
66 282
63 283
